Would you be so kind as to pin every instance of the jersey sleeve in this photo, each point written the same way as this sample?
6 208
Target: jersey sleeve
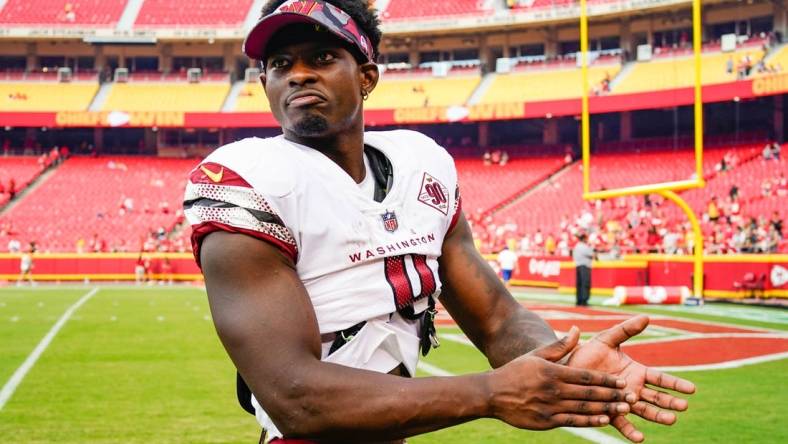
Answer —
440 156
217 198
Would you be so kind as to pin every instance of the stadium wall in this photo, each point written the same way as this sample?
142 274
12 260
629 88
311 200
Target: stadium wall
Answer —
99 266
722 273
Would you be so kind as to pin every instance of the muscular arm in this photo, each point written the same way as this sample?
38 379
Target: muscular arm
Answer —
482 306
267 324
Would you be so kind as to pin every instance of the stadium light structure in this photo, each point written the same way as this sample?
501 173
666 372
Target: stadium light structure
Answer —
665 189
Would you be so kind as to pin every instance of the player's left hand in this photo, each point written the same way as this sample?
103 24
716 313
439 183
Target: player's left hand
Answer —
603 353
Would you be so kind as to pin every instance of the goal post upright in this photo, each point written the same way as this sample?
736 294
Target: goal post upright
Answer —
666 189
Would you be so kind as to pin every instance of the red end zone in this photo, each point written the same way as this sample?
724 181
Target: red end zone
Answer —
698 344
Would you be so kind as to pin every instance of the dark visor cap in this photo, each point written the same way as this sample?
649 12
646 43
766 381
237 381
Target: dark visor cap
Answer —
316 12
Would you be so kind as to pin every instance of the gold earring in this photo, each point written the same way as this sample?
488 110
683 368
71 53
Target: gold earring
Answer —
364 94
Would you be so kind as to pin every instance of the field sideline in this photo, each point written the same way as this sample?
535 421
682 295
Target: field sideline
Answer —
144 365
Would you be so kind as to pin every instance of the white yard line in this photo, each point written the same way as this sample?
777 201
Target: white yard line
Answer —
10 387
726 365
588 434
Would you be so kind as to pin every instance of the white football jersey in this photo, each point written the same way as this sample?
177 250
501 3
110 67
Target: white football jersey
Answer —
357 258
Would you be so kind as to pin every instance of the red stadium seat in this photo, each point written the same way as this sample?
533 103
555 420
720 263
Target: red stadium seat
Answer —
96 13
84 195
405 9
177 13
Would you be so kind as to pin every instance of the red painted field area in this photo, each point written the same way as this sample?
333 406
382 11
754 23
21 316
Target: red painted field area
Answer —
696 344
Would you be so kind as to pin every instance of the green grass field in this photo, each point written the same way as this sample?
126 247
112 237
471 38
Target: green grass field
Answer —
144 365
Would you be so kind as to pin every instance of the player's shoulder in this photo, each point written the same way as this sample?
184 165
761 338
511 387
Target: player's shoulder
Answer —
268 165
407 144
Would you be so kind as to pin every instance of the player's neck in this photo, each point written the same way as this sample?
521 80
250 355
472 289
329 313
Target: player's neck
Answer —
346 150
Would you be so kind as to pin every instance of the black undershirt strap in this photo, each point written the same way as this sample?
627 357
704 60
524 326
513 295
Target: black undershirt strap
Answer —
382 172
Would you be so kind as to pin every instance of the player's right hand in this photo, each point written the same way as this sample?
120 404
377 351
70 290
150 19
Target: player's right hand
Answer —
533 392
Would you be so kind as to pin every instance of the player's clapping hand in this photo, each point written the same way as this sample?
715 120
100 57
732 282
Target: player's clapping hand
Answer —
603 353
534 392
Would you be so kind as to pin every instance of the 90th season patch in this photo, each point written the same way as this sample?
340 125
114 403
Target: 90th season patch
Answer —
434 194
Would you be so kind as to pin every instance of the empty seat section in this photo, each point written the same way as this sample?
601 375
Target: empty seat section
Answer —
418 92
29 96
404 9
252 99
83 197
62 12
203 97
544 84
221 13
679 72
21 170
485 186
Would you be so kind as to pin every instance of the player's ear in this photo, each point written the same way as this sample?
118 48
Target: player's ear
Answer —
369 76
263 78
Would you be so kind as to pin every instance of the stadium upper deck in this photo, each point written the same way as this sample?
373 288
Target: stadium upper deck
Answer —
453 74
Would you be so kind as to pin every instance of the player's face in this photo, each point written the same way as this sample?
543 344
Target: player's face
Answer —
314 87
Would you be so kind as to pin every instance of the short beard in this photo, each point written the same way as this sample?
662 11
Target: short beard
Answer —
311 126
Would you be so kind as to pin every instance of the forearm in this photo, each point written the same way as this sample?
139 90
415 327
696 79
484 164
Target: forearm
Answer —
519 333
352 405
485 310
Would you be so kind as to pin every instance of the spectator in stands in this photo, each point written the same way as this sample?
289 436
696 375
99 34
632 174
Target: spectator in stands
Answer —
777 223
6 147
69 15
771 241
776 150
713 210
767 151
504 158
495 157
80 245
11 188
729 65
653 240
487 158
733 193
550 245
14 246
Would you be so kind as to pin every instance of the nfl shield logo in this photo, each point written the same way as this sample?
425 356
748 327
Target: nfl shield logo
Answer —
390 221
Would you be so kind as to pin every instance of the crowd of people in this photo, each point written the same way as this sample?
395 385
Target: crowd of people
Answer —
636 225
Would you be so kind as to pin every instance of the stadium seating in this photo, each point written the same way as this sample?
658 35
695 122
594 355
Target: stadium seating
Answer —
669 73
31 96
22 170
177 13
486 186
777 61
544 83
94 13
88 193
202 97
252 99
417 92
561 197
406 9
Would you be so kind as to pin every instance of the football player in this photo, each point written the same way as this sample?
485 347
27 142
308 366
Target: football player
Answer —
325 250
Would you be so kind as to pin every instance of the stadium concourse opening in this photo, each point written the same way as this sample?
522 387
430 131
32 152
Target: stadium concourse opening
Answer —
496 83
